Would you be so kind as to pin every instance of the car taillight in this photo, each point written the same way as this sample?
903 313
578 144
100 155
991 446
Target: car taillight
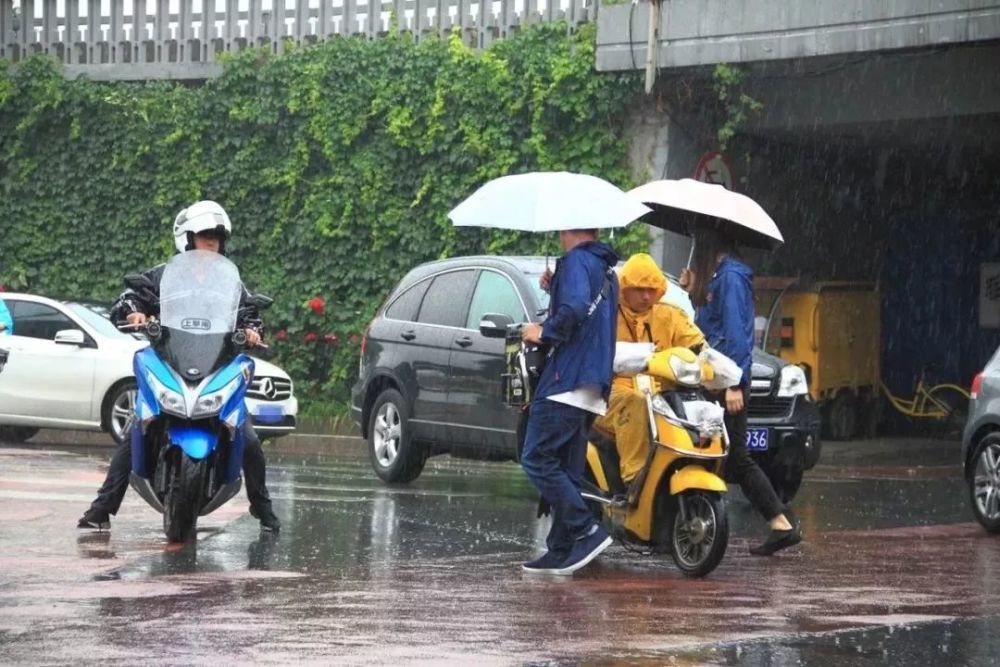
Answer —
977 384
364 339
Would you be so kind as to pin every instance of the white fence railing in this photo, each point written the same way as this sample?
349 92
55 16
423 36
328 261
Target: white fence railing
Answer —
192 32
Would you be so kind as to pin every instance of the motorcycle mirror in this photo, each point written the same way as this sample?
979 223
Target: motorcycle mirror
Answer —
138 282
260 301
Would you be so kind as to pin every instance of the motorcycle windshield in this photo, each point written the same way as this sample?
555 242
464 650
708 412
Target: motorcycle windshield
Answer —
199 303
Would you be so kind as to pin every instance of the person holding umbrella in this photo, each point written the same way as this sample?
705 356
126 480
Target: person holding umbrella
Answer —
572 390
721 288
580 331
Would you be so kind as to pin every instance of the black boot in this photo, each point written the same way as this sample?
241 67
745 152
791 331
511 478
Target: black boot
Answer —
94 519
268 519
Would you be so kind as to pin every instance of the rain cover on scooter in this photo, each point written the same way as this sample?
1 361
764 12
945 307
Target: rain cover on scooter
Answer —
199 303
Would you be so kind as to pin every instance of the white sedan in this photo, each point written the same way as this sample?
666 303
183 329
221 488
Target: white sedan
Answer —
70 368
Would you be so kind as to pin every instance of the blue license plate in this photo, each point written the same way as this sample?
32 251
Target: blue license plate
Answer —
269 414
757 439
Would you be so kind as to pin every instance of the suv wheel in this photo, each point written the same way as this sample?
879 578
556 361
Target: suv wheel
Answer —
984 482
394 455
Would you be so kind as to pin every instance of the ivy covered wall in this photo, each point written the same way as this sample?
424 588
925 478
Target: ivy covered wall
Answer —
337 163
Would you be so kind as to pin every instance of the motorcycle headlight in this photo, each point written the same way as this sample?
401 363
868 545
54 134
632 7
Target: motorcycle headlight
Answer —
169 400
687 373
210 404
793 382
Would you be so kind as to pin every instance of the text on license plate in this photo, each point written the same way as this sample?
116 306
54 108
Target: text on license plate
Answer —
757 439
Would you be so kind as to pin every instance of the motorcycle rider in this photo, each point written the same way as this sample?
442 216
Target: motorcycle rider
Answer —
642 318
205 226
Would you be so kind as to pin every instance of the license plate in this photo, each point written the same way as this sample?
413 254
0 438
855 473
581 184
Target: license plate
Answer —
757 439
269 414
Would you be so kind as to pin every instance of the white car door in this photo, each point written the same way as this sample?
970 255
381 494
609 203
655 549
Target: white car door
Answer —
52 382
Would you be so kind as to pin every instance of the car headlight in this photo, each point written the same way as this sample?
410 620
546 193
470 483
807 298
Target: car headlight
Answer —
210 404
793 382
169 400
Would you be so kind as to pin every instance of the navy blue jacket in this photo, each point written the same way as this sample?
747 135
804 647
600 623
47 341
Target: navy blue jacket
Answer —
727 317
584 347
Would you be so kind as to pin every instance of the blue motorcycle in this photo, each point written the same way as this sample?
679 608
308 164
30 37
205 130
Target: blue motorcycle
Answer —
187 436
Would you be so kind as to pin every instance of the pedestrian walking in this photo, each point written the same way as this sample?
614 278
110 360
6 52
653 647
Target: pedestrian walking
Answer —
721 288
572 390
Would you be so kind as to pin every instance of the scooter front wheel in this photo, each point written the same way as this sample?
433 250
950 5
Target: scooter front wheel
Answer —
700 532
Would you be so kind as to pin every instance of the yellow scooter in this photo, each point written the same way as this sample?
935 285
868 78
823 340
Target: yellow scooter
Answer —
676 504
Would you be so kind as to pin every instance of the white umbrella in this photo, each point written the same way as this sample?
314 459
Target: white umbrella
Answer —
548 201
749 224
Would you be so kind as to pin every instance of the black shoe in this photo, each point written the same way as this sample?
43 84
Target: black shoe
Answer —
776 541
268 519
94 519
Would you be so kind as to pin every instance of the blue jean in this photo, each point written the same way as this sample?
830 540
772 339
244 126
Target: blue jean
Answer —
554 457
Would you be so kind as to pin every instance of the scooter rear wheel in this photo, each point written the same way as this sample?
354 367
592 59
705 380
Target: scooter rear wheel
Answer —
700 534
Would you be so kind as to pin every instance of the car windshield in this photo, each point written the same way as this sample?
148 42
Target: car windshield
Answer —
99 322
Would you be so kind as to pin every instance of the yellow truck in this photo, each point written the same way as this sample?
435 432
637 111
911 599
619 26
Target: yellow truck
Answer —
833 331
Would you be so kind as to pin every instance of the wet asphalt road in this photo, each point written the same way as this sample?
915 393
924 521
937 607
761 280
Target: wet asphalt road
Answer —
893 572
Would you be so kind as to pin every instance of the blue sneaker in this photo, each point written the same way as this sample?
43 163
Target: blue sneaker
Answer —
547 563
585 550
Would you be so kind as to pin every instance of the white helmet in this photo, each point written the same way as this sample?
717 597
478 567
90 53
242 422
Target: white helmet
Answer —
200 217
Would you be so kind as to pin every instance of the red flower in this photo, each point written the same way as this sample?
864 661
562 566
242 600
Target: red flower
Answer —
309 337
281 335
316 304
354 338
332 339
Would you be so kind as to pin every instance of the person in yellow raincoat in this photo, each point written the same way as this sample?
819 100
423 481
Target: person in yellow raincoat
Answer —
642 318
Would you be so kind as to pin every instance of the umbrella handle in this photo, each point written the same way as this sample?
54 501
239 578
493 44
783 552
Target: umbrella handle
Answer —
691 255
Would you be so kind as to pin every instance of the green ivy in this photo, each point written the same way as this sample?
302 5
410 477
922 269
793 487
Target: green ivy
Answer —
338 164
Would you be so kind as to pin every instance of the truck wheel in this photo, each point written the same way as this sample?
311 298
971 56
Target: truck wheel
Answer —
842 417
394 456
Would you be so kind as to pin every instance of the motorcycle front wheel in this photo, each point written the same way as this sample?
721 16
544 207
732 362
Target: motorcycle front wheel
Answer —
699 533
183 498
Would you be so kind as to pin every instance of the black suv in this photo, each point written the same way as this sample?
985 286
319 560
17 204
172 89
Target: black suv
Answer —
430 382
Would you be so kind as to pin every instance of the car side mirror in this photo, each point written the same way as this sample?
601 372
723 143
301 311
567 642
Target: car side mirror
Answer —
70 337
494 325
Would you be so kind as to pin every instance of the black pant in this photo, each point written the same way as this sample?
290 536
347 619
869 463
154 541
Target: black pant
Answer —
109 496
743 470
